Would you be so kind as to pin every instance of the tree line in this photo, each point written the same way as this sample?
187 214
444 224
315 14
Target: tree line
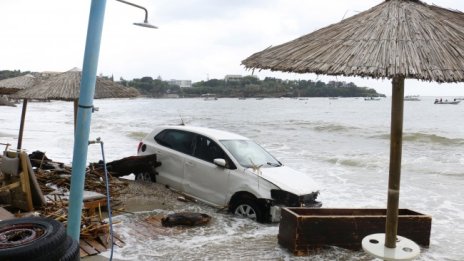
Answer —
250 86
5 74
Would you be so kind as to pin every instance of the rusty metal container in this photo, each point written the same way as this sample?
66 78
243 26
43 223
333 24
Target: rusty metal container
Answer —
304 229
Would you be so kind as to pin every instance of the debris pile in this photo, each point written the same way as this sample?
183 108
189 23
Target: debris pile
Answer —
54 179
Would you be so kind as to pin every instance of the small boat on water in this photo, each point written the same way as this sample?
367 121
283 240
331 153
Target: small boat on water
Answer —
372 98
209 97
412 98
455 102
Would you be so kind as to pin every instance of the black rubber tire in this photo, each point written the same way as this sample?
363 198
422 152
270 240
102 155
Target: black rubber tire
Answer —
248 208
145 176
48 243
72 252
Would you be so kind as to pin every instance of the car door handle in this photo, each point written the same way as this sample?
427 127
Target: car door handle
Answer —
188 163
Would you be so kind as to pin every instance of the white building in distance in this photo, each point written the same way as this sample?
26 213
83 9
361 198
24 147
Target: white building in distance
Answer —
181 83
232 77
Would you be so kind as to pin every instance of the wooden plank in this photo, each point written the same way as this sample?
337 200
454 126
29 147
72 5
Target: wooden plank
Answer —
26 186
104 241
82 253
95 244
10 186
118 241
87 248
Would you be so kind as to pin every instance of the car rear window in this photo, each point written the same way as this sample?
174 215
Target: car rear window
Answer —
176 140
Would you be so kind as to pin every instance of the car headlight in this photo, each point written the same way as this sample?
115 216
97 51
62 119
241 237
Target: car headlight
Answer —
282 197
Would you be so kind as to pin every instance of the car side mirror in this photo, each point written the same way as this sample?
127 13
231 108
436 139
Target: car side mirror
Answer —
220 162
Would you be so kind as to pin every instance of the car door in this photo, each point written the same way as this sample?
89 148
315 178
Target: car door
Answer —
174 147
202 178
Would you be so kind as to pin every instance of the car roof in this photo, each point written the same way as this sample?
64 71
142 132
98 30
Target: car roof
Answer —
208 132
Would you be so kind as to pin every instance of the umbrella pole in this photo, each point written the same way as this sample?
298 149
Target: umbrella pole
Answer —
75 112
388 245
21 126
396 140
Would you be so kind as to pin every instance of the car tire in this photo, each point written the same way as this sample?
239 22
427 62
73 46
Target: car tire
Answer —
248 208
33 238
145 176
72 252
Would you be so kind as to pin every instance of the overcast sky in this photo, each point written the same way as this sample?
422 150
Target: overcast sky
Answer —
196 39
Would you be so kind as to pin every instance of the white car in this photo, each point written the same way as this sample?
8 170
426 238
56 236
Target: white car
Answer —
224 169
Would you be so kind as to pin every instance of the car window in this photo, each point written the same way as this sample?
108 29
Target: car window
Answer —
250 154
208 150
176 140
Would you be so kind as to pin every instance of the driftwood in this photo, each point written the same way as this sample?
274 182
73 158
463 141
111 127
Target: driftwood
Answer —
133 164
185 219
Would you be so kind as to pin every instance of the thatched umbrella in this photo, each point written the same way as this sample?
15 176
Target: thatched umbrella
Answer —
65 86
396 39
12 85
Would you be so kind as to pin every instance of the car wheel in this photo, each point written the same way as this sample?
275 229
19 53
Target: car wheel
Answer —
32 239
248 208
145 176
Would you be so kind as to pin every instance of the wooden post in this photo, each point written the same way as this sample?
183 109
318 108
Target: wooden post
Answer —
21 126
24 177
396 139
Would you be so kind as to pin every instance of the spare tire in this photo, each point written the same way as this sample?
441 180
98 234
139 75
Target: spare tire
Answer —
33 238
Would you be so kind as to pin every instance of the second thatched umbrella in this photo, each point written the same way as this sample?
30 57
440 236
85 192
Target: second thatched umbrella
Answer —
66 86
396 39
12 85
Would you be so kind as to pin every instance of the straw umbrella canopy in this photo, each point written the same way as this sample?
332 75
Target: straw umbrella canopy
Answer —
66 86
396 39
15 84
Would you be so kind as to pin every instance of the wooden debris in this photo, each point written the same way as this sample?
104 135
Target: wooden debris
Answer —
133 165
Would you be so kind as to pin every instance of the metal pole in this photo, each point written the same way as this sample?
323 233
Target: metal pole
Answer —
21 126
84 113
396 140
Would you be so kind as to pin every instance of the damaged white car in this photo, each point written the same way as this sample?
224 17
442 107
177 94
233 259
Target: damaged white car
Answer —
224 169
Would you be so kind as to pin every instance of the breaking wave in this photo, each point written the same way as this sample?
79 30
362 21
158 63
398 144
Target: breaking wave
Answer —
426 138
321 126
138 135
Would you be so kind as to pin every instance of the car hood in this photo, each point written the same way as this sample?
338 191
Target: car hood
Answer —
290 180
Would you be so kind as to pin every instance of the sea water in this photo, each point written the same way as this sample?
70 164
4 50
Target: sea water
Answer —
343 144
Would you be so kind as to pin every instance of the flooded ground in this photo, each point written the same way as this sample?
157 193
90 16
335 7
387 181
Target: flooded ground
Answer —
342 144
226 237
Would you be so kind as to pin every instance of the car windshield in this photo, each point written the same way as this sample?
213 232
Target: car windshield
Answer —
249 154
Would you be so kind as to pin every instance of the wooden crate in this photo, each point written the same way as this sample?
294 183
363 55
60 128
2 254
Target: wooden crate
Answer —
304 229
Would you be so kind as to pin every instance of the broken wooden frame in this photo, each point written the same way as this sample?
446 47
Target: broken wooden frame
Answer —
18 179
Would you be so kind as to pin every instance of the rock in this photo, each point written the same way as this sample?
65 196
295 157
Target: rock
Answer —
185 219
